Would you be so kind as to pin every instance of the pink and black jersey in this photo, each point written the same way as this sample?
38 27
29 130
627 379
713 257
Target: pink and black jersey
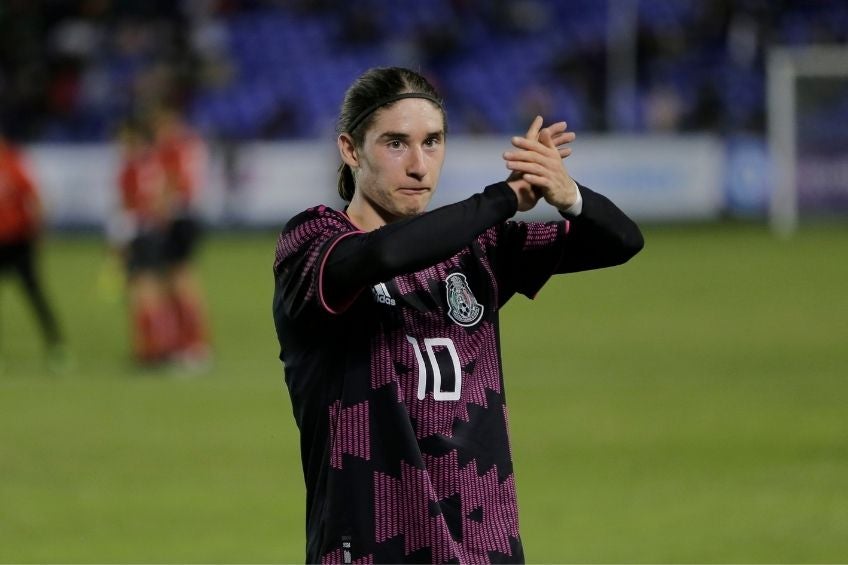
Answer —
398 392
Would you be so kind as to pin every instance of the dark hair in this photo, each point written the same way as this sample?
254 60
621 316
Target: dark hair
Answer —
372 86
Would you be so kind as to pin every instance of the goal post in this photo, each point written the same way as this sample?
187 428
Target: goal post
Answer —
807 105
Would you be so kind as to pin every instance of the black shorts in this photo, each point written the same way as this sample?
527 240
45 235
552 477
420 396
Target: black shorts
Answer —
181 239
16 255
146 253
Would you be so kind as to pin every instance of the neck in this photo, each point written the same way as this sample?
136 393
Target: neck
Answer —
365 215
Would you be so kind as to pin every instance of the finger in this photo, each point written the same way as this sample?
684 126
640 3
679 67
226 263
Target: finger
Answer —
533 156
564 152
537 181
535 126
529 144
557 128
535 151
524 167
564 137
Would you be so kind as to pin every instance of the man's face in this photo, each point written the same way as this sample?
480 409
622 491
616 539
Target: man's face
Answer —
401 159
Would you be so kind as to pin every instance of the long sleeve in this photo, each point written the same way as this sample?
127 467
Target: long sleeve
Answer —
527 254
408 245
601 236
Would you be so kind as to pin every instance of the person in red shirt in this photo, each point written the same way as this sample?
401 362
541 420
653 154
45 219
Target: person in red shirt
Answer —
183 157
20 228
138 232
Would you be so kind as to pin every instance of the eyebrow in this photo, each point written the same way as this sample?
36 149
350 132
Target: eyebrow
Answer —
405 136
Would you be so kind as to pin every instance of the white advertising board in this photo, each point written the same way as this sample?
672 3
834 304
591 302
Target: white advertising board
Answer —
264 184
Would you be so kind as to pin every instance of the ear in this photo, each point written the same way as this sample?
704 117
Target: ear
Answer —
347 150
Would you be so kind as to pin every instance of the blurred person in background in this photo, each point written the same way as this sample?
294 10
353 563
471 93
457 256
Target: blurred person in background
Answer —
387 319
21 224
138 233
182 154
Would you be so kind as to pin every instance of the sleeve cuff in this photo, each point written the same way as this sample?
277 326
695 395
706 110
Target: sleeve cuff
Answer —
577 208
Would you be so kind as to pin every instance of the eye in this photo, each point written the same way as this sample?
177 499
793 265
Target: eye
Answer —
432 141
395 144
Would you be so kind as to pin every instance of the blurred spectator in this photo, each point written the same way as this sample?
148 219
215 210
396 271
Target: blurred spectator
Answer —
361 25
20 228
663 109
71 69
535 99
438 44
284 122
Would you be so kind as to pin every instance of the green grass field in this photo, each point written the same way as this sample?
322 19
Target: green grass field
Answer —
691 406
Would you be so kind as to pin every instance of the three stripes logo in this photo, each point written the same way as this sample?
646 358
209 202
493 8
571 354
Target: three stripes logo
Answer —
381 294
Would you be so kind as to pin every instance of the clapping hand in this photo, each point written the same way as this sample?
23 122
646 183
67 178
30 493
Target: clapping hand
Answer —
537 166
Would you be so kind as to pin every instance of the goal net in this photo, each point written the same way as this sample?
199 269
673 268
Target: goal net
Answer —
808 134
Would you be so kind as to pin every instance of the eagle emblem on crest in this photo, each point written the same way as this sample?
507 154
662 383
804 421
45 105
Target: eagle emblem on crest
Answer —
463 307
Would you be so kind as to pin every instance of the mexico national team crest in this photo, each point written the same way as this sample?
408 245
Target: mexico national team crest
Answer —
463 308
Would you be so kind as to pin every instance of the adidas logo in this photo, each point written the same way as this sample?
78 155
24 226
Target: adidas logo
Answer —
381 294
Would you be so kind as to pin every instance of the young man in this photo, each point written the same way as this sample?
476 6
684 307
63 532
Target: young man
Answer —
183 156
138 233
387 317
20 226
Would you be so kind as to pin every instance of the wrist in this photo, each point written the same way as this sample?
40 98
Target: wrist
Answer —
575 207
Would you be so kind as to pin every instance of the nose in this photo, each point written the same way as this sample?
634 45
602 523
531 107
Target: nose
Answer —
416 165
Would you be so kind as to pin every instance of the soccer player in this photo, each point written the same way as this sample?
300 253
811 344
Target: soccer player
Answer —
183 156
138 232
20 227
387 318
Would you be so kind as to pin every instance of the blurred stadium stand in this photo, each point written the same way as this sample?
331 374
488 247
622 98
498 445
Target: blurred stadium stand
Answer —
264 69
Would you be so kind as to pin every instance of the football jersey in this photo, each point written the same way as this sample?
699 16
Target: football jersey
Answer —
400 397
142 184
18 198
184 157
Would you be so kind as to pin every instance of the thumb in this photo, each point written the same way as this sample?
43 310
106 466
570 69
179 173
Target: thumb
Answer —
533 131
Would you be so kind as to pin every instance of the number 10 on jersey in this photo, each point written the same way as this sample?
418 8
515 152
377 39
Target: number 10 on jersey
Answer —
437 365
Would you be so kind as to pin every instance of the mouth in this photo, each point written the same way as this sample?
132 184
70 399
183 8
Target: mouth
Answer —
409 190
